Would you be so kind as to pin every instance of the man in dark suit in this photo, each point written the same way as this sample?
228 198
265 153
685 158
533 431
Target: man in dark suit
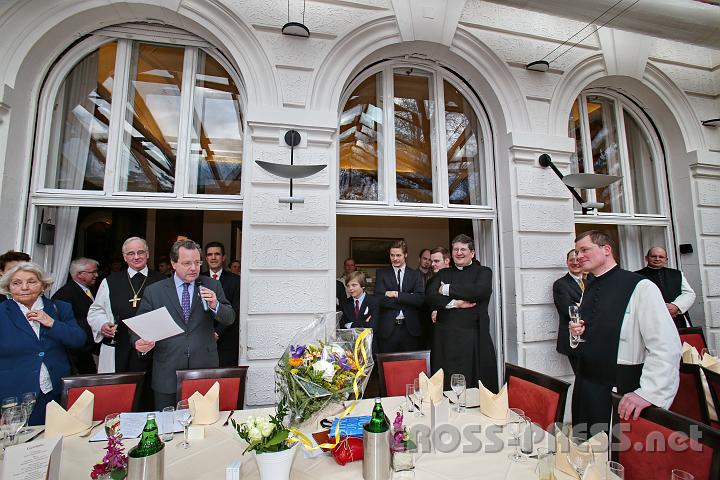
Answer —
360 310
76 292
567 291
195 308
401 293
228 337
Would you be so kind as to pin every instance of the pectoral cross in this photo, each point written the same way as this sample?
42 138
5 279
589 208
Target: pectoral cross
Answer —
134 300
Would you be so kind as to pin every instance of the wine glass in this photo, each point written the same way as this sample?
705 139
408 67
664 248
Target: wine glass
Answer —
574 312
614 468
28 403
8 402
580 455
457 383
14 418
418 393
183 416
516 419
678 474
708 351
112 426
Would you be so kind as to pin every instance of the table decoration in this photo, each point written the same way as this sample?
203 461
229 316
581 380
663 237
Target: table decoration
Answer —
114 463
403 448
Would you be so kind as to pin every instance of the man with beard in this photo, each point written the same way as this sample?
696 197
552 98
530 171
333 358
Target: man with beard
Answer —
461 338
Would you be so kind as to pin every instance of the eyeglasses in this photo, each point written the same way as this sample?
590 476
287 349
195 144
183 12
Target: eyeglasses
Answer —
27 283
191 264
139 253
91 272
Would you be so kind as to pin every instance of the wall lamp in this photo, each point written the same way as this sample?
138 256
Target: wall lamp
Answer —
584 181
713 122
296 29
538 66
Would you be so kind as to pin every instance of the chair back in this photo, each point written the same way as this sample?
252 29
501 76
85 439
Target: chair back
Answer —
399 369
114 392
660 441
690 399
231 380
540 396
713 381
693 336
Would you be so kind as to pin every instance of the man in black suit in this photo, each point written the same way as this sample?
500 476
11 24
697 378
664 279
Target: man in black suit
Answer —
76 292
195 308
360 310
567 291
228 337
401 293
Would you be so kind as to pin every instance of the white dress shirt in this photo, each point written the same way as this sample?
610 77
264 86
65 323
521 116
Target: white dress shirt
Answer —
100 311
45 382
648 335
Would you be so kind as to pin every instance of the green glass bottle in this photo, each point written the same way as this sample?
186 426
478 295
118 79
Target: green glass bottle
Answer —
150 442
378 421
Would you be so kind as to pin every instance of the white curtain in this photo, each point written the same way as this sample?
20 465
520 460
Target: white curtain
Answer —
78 128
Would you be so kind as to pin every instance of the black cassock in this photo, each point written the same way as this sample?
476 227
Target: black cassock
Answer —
461 337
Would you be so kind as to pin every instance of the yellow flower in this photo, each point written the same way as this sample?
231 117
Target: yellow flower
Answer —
294 371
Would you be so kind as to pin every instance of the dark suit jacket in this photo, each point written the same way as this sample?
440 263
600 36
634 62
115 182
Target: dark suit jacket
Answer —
73 294
196 348
409 300
369 313
229 335
22 352
566 292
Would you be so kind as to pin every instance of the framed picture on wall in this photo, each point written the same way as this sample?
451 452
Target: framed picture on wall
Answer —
371 252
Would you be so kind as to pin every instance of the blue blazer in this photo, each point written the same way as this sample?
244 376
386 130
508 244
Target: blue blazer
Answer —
22 352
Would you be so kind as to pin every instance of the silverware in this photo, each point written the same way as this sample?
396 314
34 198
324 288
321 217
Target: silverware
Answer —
35 435
227 420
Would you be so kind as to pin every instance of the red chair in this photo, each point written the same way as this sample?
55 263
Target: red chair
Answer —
231 380
690 399
694 336
659 441
540 396
399 369
713 381
114 392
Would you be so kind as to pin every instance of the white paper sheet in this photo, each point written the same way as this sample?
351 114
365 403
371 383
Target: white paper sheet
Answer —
156 325
38 460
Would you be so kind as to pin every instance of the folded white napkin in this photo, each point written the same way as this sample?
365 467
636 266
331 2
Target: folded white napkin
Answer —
493 405
77 419
598 444
205 409
690 354
432 387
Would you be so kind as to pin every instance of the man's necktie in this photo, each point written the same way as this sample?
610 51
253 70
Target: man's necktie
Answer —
89 294
357 309
399 284
186 302
215 276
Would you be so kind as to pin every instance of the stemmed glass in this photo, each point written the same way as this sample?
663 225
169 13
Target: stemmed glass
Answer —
580 455
112 426
708 351
14 418
574 312
418 394
28 403
184 417
678 474
516 421
457 383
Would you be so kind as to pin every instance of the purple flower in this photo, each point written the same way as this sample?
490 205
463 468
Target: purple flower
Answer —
342 361
297 351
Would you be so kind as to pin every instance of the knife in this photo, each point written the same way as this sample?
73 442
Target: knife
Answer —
227 420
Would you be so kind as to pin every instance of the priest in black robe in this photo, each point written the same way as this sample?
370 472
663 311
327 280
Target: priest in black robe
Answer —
461 337
673 285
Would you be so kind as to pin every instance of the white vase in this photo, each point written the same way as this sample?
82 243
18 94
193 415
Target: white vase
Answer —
276 465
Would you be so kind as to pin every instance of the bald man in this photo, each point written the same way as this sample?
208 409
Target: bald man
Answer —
673 285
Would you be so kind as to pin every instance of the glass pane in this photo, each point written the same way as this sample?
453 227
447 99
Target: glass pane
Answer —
577 158
414 109
361 133
463 136
81 115
605 154
216 138
642 168
152 120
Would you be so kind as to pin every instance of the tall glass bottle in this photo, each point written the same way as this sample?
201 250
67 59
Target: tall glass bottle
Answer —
150 442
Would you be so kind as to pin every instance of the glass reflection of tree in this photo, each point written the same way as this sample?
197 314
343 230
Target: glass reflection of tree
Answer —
463 155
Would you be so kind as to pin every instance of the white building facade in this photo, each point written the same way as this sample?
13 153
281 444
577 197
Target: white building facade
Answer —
422 111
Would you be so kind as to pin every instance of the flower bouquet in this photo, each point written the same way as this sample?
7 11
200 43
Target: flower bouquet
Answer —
114 464
402 445
322 366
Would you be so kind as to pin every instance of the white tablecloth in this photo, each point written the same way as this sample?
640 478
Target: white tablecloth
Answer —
207 459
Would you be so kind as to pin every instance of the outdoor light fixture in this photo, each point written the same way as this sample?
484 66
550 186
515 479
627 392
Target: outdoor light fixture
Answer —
538 66
296 29
713 122
584 181
292 139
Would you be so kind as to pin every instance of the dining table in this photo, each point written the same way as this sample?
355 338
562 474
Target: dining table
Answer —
482 451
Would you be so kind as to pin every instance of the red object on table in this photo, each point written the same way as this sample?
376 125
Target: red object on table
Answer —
349 449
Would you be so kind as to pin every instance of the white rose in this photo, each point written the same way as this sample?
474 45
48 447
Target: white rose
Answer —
327 369
267 429
254 434
337 350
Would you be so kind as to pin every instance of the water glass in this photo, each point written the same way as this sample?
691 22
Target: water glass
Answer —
28 403
8 402
457 383
574 312
516 426
183 416
14 418
580 455
419 393
616 469
678 474
409 393
167 424
546 464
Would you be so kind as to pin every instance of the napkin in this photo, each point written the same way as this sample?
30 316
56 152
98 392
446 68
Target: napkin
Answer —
598 443
493 405
77 419
690 354
205 409
433 385
711 363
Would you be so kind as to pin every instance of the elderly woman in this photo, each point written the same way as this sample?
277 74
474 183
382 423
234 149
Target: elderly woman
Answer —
34 333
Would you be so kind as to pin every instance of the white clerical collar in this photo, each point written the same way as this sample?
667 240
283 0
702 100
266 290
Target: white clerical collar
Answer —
131 272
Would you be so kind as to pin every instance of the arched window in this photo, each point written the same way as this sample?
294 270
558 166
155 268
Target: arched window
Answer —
410 134
614 136
137 116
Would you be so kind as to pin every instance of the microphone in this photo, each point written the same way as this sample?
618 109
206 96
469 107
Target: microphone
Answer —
198 285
